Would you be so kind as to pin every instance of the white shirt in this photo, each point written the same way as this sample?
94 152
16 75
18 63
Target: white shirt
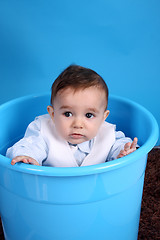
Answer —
34 145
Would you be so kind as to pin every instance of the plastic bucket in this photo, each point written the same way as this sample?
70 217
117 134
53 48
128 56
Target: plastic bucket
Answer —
88 203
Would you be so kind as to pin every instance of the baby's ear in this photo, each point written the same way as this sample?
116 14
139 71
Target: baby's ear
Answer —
106 113
50 111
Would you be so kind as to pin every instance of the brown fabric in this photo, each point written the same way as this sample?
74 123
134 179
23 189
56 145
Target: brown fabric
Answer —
149 228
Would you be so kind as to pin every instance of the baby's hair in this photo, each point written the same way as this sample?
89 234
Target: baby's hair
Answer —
77 77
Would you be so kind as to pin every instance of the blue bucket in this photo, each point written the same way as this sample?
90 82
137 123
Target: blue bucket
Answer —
87 203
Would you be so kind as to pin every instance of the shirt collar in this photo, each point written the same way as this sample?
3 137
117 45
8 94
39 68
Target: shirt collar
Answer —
85 146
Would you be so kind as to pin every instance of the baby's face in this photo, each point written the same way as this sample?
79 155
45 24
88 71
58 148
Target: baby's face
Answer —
78 115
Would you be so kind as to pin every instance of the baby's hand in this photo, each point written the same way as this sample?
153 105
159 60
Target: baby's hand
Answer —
128 148
24 159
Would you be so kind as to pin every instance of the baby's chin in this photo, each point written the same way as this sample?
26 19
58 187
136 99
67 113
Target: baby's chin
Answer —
77 141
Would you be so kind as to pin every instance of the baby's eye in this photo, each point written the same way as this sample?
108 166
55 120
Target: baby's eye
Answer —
89 115
67 114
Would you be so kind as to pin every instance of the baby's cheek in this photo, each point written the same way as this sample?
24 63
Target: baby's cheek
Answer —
93 132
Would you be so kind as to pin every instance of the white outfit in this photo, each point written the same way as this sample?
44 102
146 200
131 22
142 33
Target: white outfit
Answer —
60 154
43 143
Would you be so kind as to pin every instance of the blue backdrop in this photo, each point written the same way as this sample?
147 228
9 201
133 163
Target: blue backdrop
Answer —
118 39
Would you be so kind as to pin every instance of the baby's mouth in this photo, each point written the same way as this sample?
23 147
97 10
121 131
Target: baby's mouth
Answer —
76 135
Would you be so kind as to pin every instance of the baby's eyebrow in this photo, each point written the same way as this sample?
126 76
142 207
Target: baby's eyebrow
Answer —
93 110
65 107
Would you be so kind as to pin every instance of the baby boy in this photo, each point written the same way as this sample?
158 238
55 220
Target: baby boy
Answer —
75 132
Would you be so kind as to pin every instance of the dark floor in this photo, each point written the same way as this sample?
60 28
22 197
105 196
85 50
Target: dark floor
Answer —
149 228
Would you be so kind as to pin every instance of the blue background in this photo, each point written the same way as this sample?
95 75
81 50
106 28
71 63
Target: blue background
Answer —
118 39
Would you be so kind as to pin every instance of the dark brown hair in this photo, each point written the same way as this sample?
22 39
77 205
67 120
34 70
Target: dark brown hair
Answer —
77 77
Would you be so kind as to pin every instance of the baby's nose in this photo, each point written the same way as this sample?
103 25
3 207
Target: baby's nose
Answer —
78 123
